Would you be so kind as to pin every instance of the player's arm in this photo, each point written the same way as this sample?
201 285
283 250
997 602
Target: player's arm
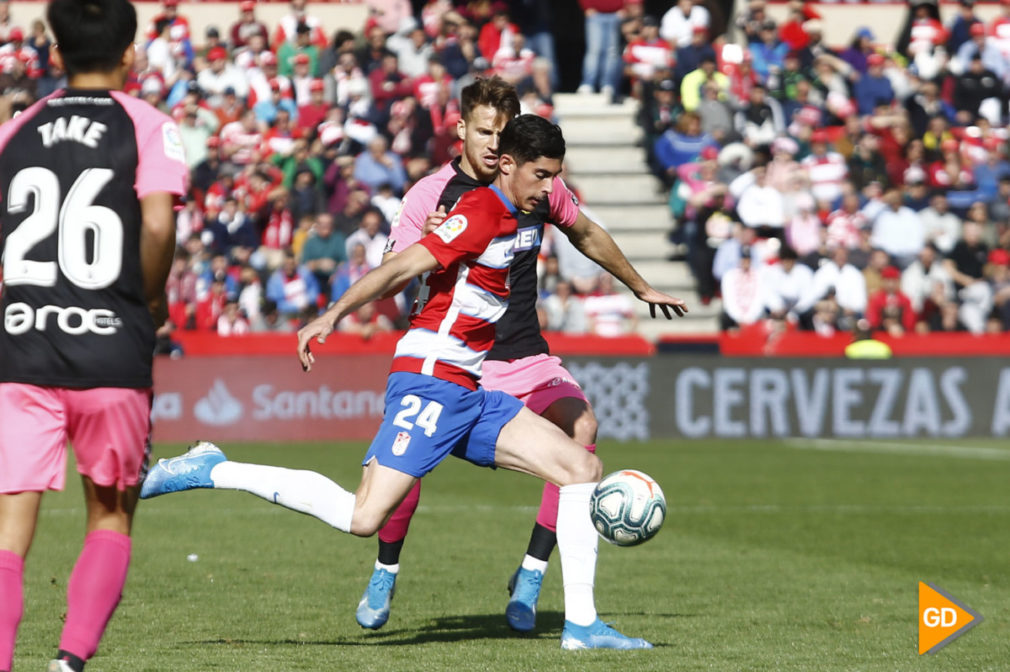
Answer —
157 247
405 265
593 241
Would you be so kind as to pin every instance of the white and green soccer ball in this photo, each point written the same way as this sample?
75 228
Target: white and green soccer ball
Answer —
627 507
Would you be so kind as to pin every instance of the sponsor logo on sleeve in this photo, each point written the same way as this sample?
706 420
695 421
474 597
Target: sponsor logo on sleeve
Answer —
172 142
451 228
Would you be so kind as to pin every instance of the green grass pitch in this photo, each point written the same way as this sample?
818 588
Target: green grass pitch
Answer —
779 555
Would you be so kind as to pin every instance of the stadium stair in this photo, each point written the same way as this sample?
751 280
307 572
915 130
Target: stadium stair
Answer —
608 168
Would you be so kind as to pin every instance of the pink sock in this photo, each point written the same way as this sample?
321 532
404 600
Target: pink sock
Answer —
12 569
547 516
395 528
95 586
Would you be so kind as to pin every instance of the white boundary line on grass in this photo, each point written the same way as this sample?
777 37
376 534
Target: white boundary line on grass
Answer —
894 448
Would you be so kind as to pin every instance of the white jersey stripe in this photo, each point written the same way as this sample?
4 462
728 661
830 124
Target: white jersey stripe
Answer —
499 253
479 303
428 345
445 327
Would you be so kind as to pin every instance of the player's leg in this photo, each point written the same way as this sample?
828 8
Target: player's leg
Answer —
18 515
109 429
32 458
574 416
373 608
531 444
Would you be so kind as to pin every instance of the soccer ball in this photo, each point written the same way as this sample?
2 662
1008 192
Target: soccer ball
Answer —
627 507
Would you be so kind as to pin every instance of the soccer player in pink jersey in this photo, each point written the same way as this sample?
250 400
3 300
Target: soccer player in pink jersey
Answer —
88 179
434 406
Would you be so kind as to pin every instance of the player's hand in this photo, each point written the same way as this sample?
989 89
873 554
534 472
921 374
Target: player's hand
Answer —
434 220
317 329
665 302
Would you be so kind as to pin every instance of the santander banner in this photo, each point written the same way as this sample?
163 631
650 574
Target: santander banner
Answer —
268 398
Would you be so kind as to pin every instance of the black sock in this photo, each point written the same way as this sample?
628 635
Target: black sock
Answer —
76 664
389 551
542 543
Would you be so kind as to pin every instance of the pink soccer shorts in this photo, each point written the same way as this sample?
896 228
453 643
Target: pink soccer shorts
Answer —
109 429
537 381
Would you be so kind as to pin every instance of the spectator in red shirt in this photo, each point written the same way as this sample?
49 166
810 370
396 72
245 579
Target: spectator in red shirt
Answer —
242 30
496 33
888 308
313 112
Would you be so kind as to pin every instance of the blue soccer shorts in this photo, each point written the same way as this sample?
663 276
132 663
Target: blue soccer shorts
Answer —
427 418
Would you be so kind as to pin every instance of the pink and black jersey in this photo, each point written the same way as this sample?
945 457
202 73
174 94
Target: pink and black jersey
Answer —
73 168
453 326
517 333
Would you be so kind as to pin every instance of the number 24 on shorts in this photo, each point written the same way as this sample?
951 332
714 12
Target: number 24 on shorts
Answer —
413 414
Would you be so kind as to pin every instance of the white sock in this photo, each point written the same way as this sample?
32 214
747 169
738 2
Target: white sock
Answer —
577 545
534 564
392 569
305 491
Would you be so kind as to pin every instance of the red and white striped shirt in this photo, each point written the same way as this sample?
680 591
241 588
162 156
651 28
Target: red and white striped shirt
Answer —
827 174
453 325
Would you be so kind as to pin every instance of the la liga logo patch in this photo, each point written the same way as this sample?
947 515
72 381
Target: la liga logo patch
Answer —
451 228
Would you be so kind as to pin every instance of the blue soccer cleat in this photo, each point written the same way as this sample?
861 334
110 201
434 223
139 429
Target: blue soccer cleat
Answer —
373 610
185 472
598 635
524 587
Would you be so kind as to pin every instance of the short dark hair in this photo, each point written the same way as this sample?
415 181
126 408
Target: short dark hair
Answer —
92 34
529 137
491 91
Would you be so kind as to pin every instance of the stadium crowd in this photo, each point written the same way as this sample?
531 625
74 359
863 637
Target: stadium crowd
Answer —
811 185
815 185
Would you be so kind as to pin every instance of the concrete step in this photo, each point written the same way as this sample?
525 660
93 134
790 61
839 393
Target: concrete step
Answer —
652 330
590 160
665 275
590 126
632 217
597 135
645 246
581 104
619 189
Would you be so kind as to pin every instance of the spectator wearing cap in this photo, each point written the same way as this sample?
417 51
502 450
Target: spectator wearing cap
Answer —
299 52
377 165
979 43
212 39
680 21
888 308
680 145
601 65
196 127
287 27
313 112
370 54
260 76
873 87
979 91
220 74
242 31
266 109
859 49
826 169
760 119
689 57
691 85
19 61
769 52
648 55
178 26
959 30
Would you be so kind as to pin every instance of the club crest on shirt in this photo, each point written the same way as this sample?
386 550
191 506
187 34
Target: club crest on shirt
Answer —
172 142
400 443
451 228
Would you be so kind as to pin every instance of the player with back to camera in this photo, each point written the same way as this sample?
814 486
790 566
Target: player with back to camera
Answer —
88 178
519 362
434 406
